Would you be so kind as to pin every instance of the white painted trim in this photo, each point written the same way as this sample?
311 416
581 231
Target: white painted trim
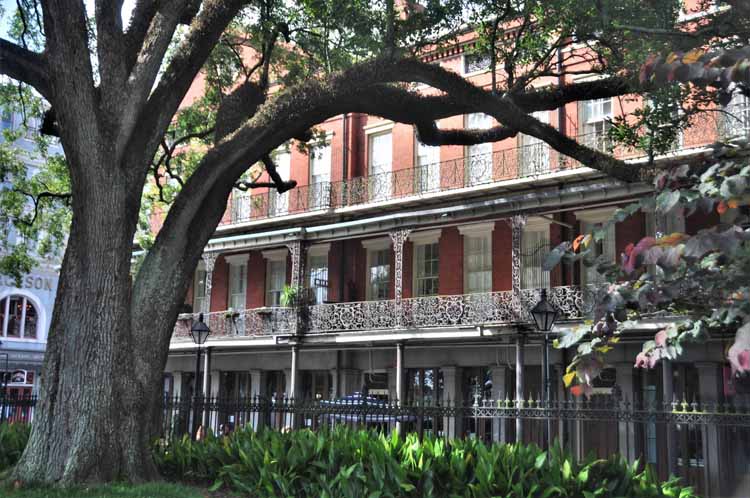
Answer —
319 249
376 244
477 229
41 315
379 127
237 259
536 224
599 215
275 254
425 236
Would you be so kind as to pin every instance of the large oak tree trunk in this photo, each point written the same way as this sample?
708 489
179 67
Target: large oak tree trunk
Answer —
99 390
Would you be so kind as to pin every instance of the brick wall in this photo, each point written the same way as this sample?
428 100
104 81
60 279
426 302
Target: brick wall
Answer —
502 241
256 280
451 262
220 285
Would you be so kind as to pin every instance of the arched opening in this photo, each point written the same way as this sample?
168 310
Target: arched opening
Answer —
19 317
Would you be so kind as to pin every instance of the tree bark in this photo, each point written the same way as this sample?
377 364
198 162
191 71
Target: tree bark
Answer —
95 389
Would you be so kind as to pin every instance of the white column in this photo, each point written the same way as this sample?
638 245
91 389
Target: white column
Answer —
626 430
520 340
708 388
258 379
498 395
294 373
209 258
668 397
213 392
399 378
399 237
454 397
177 384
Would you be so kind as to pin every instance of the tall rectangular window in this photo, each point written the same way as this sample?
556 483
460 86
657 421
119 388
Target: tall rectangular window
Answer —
379 166
604 248
237 286
199 290
275 280
317 277
737 120
428 168
426 269
378 274
534 153
595 116
479 157
279 203
477 264
534 248
320 175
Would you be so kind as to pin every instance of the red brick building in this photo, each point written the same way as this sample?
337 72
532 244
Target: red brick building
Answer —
433 251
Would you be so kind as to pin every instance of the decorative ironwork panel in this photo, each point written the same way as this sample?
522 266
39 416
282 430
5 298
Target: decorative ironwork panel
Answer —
344 317
209 258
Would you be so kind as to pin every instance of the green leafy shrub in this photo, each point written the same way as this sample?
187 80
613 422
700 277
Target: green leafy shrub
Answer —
348 463
13 438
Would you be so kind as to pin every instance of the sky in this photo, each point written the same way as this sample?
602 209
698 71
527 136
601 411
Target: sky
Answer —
10 5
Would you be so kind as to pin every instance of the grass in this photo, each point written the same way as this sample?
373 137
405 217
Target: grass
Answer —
150 490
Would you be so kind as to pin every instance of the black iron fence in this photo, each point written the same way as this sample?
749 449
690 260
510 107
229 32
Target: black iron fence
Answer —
707 444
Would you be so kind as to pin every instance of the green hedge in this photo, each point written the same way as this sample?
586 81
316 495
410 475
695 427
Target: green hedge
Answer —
349 463
13 438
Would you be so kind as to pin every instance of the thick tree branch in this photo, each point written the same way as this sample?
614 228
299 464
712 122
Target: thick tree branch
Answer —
24 65
206 29
109 47
148 61
430 134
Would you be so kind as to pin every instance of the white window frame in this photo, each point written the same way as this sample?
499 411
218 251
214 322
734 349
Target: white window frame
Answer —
532 257
738 122
477 156
379 174
534 153
279 203
317 252
472 232
25 301
420 240
199 291
237 269
274 259
595 125
373 247
427 177
588 220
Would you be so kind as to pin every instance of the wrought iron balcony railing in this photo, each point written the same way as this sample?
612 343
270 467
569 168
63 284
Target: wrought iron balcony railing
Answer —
488 308
483 169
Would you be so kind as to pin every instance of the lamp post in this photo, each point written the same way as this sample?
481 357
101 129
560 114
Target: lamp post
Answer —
199 333
545 315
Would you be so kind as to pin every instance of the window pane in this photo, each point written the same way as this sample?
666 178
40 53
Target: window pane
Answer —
379 274
29 327
199 290
535 245
427 269
275 280
317 277
477 264
15 316
237 286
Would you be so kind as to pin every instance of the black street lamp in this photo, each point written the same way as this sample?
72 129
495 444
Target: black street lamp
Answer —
199 333
545 315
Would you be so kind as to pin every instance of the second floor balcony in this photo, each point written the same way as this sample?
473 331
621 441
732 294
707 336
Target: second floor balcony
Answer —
502 308
422 181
